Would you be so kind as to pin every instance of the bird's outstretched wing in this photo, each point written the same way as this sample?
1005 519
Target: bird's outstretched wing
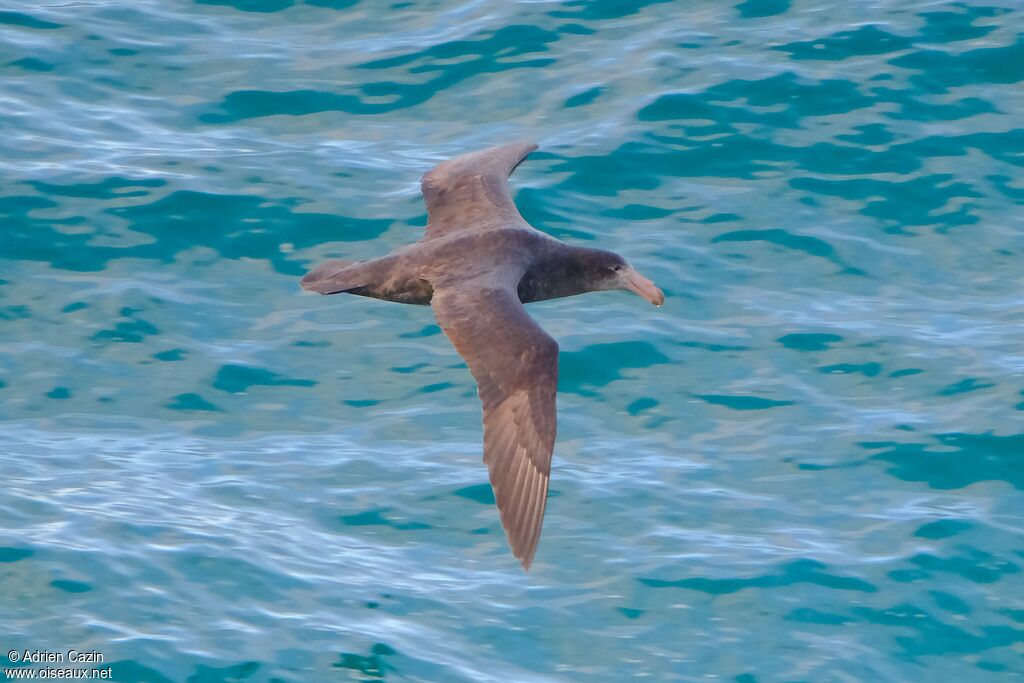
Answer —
515 364
470 192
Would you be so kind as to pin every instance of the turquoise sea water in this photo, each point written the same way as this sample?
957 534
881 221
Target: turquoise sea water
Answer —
807 466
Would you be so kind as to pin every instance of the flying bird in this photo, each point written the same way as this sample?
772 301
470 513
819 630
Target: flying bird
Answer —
476 265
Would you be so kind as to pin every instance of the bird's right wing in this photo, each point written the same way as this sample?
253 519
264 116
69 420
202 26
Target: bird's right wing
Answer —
470 192
515 364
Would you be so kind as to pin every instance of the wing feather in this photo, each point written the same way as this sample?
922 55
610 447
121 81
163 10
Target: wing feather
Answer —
470 192
515 364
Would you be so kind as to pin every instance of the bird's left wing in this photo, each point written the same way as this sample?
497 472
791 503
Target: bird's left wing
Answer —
470 192
515 364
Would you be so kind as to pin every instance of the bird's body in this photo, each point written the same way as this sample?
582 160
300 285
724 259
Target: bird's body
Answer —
478 262
549 270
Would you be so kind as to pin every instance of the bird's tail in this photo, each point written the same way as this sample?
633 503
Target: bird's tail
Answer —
332 277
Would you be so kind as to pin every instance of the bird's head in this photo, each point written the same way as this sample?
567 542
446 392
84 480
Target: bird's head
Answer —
613 272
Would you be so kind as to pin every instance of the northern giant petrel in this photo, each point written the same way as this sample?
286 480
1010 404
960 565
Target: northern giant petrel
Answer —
477 264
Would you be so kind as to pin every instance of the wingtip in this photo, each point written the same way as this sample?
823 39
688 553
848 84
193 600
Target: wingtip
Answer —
521 143
526 145
525 553
526 561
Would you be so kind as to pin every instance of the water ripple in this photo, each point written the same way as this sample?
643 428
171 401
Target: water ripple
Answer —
209 476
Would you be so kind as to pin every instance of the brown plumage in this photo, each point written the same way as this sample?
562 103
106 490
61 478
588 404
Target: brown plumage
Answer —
476 265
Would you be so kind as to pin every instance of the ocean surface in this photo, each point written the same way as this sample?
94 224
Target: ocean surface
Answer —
807 466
